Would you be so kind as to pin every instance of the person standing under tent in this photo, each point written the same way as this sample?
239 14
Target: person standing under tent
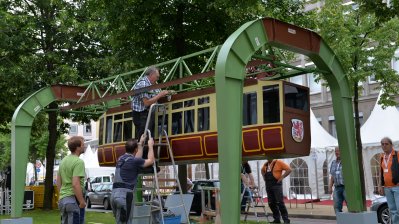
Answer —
337 179
273 173
70 183
126 173
389 173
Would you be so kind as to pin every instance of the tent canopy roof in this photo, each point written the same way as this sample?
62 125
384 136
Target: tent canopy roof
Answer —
381 123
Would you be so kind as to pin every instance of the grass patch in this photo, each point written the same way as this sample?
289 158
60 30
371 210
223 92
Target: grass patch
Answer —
40 216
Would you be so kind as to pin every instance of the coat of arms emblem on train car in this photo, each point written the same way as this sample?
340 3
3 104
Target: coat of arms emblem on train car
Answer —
297 130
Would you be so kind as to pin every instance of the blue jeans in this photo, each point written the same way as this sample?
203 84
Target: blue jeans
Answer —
339 198
70 211
392 195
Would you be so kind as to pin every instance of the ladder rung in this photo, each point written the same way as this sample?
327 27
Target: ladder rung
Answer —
160 179
168 187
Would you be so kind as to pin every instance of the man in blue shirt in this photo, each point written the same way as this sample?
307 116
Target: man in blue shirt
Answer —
142 101
337 179
126 173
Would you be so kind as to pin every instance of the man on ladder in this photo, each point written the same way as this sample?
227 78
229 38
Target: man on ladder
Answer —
127 169
142 101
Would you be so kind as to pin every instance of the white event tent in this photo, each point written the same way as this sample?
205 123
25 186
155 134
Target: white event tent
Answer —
381 123
92 166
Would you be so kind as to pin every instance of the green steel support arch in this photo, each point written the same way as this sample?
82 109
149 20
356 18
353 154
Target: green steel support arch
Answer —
20 137
230 72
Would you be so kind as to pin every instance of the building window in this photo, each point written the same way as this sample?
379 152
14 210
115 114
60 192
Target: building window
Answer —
87 129
320 120
314 87
249 109
325 177
73 129
395 62
332 128
297 80
372 79
299 178
200 173
375 166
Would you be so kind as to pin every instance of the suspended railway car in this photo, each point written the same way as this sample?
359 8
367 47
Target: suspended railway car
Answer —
276 121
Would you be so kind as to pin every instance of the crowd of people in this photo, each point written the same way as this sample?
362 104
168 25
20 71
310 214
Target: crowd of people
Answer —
72 185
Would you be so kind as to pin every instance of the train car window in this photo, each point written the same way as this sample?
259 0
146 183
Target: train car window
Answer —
189 103
127 129
177 105
203 119
108 130
101 132
295 97
118 116
160 123
271 105
176 123
117 131
127 115
189 121
249 113
203 100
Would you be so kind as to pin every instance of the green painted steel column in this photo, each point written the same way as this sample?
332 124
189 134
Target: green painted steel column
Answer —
343 112
20 137
230 71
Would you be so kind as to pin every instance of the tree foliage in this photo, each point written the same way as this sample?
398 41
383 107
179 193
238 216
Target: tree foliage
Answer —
145 32
70 42
363 47
383 10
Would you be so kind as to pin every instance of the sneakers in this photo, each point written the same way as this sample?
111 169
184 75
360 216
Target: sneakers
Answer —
276 221
287 221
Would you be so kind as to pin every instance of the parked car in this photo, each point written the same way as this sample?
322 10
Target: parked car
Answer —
101 195
196 191
95 181
380 206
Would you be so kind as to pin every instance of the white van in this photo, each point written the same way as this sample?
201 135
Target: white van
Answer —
100 179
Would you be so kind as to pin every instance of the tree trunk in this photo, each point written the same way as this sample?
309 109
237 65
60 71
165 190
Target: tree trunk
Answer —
50 155
207 172
182 173
358 136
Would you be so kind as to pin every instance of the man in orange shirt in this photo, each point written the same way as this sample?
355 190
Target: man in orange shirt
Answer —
273 173
389 173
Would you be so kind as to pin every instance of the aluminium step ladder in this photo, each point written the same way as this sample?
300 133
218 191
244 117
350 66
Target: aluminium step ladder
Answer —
155 188
254 201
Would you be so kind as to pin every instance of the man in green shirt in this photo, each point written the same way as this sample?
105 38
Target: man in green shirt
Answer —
70 183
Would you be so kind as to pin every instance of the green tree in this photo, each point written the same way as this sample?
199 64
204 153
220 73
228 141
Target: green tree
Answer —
364 47
145 32
44 43
382 10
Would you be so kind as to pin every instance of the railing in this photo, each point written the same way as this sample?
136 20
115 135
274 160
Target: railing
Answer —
207 211
306 190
